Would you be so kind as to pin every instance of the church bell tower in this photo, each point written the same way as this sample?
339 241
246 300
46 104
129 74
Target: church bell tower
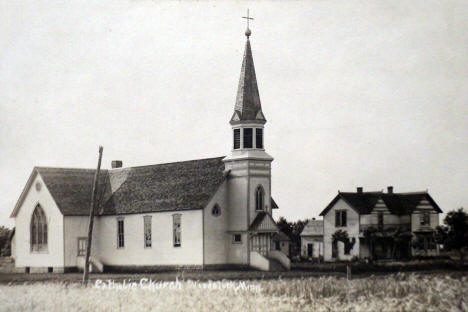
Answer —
248 165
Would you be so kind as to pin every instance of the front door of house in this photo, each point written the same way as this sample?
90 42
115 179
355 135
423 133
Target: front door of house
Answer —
310 250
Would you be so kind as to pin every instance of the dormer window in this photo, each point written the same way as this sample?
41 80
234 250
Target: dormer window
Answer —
237 138
248 137
259 138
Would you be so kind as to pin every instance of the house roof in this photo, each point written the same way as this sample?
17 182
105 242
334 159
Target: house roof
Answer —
280 236
313 228
186 185
397 203
248 106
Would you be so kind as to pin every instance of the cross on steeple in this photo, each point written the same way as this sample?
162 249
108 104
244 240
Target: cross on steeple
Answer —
248 18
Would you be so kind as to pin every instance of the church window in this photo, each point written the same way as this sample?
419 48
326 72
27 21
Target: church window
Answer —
120 234
340 218
236 138
259 138
38 230
248 138
259 198
82 245
176 225
147 231
216 211
237 238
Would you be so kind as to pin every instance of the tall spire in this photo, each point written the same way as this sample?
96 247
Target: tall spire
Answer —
248 106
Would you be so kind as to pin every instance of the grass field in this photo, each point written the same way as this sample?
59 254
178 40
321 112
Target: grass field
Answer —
394 292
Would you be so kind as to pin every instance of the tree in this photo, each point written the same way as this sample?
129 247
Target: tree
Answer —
454 234
342 236
5 241
293 231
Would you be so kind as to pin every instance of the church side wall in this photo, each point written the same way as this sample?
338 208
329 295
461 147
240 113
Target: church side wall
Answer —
216 238
54 256
77 227
162 252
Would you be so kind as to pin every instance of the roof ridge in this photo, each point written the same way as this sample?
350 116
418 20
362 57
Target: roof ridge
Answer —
168 163
409 193
68 168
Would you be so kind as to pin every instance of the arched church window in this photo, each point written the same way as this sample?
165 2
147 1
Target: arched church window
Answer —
259 198
216 211
38 230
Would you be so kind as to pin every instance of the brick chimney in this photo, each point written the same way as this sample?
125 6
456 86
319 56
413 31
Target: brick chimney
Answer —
359 189
116 164
390 189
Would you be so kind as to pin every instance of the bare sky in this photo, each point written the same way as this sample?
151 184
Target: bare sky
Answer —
356 93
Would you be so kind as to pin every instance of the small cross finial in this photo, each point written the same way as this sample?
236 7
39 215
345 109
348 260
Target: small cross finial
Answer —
248 18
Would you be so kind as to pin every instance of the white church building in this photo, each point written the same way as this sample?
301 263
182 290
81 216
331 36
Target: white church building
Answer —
206 213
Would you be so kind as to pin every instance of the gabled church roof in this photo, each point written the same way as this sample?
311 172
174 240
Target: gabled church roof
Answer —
177 186
248 106
263 222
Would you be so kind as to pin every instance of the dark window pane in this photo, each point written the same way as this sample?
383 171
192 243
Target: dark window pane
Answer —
259 138
236 138
248 138
343 220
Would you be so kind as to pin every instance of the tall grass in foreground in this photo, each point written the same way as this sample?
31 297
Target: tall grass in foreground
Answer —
400 292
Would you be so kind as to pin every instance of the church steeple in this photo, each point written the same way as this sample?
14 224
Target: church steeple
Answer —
248 107
248 120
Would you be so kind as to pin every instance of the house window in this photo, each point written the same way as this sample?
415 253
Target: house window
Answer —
82 245
340 218
120 234
380 221
38 230
248 138
259 198
277 245
216 211
236 138
425 218
176 229
259 137
237 239
147 231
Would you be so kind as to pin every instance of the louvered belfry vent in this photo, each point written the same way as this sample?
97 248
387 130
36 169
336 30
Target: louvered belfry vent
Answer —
236 138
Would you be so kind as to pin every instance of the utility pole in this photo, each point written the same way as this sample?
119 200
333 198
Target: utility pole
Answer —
91 219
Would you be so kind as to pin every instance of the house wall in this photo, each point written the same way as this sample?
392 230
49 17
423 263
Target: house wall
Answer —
422 207
352 228
317 242
54 256
284 247
77 227
13 247
162 252
372 218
